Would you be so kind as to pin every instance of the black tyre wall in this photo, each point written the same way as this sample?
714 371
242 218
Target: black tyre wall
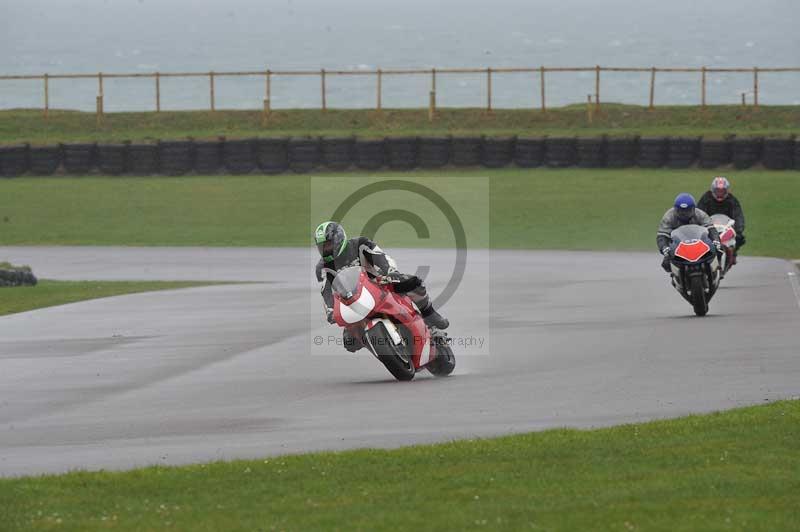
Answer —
796 158
434 152
239 156
714 153
467 151
652 152
142 159
44 160
401 152
529 152
498 152
683 152
272 155
78 158
592 152
370 154
304 154
176 157
777 154
561 152
112 158
337 153
207 156
746 152
622 152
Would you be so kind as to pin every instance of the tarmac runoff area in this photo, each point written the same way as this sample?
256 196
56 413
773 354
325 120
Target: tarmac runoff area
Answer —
577 339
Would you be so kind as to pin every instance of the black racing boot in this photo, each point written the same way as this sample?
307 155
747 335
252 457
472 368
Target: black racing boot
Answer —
434 319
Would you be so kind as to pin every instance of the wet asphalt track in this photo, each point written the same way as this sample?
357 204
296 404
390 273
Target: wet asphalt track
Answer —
573 339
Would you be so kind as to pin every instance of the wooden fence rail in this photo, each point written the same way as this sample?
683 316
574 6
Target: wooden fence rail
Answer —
379 75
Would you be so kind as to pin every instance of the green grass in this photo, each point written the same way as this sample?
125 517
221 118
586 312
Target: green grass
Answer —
527 209
737 470
52 293
615 119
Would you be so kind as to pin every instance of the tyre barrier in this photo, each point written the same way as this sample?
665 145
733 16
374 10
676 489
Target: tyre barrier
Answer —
78 158
272 155
498 152
434 152
561 152
142 159
652 152
369 154
592 152
714 153
17 277
207 156
304 154
176 157
777 154
401 152
467 151
238 156
796 157
44 160
683 152
529 152
746 152
622 152
337 153
13 160
112 158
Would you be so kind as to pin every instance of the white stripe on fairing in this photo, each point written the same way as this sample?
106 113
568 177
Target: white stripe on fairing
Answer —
359 309
426 354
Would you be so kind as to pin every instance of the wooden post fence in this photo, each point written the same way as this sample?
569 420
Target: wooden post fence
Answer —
489 90
652 88
46 96
158 92
755 87
432 99
324 96
100 110
703 89
541 78
596 88
211 91
379 104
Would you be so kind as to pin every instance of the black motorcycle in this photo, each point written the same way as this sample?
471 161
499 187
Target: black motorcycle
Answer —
694 266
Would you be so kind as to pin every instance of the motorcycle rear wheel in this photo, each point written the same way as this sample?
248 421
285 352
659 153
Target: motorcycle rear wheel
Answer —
396 358
699 296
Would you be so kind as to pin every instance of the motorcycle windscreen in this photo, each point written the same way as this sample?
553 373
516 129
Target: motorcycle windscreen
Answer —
346 282
689 232
720 219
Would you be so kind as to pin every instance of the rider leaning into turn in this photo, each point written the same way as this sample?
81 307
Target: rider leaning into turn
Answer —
719 200
338 252
684 212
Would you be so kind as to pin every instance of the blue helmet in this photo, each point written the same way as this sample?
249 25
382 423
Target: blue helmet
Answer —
684 206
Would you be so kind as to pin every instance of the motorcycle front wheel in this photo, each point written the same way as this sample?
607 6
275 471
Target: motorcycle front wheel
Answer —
699 296
396 358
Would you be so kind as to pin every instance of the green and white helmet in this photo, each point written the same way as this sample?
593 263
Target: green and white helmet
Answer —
331 240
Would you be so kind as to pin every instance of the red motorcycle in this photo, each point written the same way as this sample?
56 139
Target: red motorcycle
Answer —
389 325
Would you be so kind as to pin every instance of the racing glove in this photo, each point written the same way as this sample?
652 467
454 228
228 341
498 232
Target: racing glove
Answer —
718 245
665 251
329 315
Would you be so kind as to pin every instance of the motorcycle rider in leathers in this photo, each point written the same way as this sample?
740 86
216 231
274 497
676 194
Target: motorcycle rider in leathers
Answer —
684 212
719 200
338 252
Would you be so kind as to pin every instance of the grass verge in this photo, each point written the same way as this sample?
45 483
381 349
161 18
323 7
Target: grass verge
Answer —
614 119
528 209
52 293
737 470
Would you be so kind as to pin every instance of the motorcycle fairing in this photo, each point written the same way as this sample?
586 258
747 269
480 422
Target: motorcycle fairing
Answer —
692 251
